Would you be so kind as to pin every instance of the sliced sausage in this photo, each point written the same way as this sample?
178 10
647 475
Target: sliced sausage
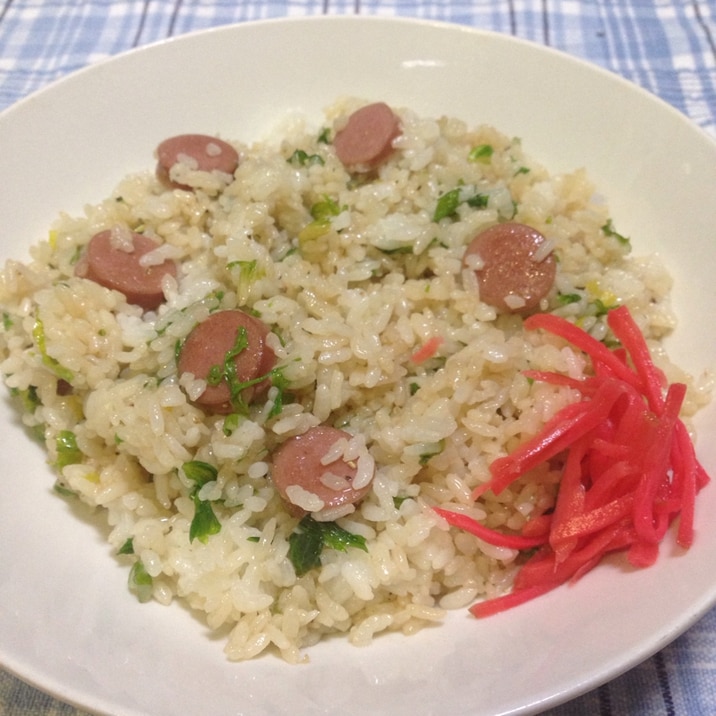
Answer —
200 151
208 346
514 264
367 138
299 462
113 260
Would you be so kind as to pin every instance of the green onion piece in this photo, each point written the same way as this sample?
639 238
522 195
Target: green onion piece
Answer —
300 158
205 522
322 212
67 451
279 381
325 209
64 491
398 250
140 582
434 449
249 271
199 473
609 230
231 422
38 335
313 231
227 370
304 550
447 205
601 307
29 398
481 153
566 298
479 201
311 537
127 547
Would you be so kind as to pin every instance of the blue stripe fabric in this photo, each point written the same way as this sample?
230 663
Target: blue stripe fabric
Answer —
667 47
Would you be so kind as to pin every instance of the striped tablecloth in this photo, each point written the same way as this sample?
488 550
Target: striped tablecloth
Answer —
666 46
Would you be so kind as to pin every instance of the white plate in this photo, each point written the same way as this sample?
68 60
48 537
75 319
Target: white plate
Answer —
68 623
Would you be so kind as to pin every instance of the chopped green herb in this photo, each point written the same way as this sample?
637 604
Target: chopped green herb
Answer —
322 212
479 201
609 230
64 491
140 582
398 501
279 381
523 170
414 388
300 158
288 253
313 231
6 321
397 250
304 550
447 205
254 538
227 370
67 451
231 422
249 271
76 255
127 547
325 209
311 537
205 522
38 335
566 298
602 308
337 538
449 202
279 334
325 136
481 153
29 398
433 450
199 473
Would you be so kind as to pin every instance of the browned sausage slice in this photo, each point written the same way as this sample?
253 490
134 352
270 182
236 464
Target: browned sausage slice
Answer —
206 348
205 152
514 264
298 463
112 259
367 138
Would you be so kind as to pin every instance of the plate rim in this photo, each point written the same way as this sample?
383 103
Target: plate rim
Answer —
76 75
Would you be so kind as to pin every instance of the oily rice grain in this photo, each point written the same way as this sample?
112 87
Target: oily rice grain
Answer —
351 301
